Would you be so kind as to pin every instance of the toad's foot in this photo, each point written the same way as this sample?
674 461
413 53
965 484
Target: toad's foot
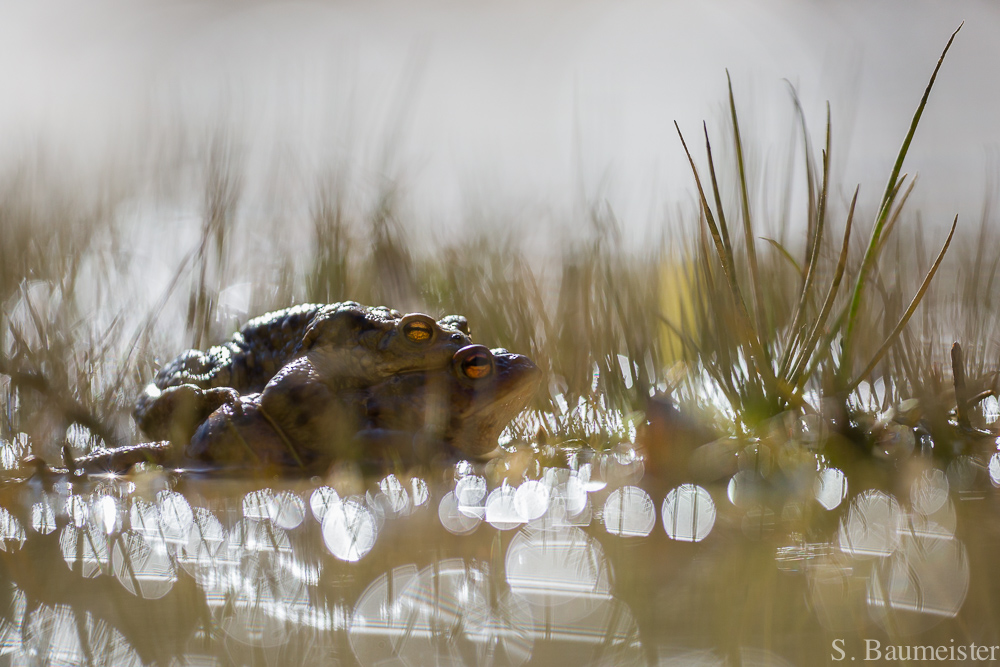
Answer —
175 413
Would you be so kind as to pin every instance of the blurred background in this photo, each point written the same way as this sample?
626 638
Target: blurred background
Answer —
531 107
170 169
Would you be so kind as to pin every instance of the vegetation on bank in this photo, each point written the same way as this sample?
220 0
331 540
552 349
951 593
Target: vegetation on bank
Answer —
854 324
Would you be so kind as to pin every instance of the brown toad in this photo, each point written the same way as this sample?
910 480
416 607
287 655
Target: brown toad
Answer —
461 408
343 345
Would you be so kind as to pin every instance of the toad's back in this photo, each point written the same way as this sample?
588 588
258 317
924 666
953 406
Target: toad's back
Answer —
250 358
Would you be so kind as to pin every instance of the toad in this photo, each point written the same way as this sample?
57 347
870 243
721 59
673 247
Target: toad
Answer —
345 346
461 408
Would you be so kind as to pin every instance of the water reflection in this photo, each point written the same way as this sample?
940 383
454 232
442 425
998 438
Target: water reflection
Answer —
553 565
86 550
929 491
629 512
11 620
925 580
395 495
907 569
622 465
486 569
531 500
43 517
349 530
830 488
206 546
321 500
564 578
142 565
105 513
442 614
373 626
962 474
13 450
11 533
59 636
872 526
500 510
688 513
287 510
470 491
453 518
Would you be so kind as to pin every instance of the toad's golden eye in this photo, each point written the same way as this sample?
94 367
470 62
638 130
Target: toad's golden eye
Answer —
418 328
475 362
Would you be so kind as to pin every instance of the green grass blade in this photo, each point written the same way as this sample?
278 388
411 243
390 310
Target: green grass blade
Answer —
797 377
725 257
710 219
758 292
784 253
890 189
815 241
810 168
891 338
894 218
723 226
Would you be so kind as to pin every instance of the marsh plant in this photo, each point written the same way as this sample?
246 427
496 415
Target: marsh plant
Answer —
783 379
739 326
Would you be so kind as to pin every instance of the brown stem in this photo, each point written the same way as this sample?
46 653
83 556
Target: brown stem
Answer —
961 395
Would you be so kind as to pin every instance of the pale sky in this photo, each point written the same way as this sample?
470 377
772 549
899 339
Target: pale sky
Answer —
507 103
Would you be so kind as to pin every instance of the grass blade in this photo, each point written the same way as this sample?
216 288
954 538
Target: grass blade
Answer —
891 338
891 224
743 321
784 253
816 239
810 168
723 226
758 292
797 377
709 218
887 198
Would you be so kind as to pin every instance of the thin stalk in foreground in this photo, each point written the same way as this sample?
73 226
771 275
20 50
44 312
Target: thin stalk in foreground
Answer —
799 374
891 338
813 259
758 290
723 226
887 199
760 357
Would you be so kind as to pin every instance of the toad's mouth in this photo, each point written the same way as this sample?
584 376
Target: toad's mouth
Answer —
516 381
